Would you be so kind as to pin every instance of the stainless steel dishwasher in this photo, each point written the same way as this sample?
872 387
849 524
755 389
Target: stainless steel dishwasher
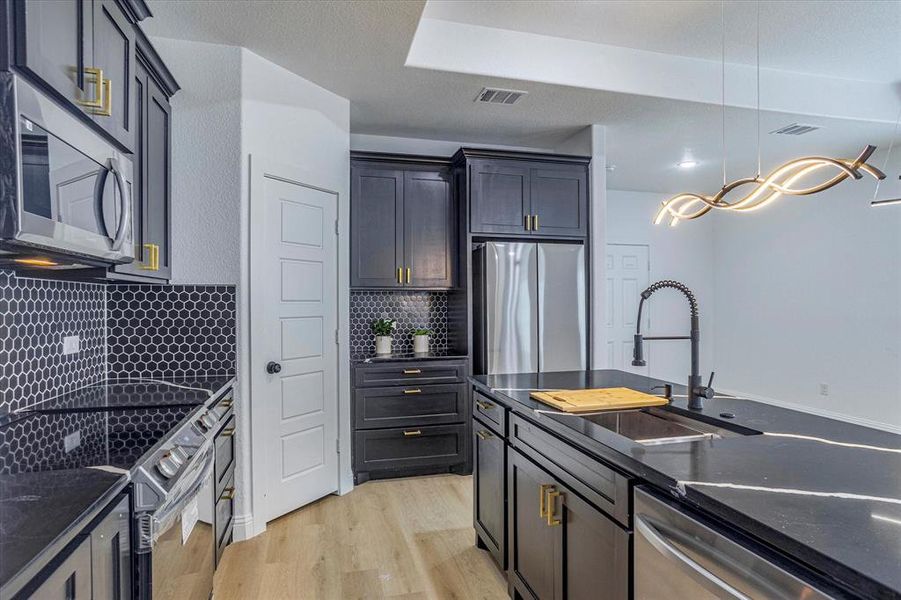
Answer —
677 556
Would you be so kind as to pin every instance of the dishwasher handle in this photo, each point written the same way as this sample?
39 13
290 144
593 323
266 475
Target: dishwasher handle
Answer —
702 576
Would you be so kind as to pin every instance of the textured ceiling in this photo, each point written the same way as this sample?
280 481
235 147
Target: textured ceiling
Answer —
358 50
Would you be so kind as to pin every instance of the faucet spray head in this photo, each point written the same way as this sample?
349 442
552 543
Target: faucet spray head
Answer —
638 351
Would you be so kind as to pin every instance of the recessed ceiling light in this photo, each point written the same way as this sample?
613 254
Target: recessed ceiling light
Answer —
687 164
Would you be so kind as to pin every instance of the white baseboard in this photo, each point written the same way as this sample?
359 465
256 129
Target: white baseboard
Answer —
820 412
244 527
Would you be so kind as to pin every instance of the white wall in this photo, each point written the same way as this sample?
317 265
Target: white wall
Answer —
684 253
362 142
206 159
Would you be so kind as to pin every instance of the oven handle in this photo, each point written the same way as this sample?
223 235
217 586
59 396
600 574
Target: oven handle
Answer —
125 206
166 515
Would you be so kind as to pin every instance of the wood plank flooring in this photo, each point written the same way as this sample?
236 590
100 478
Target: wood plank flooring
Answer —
401 538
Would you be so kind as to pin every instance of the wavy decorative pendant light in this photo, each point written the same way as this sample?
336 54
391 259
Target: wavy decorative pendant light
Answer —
780 182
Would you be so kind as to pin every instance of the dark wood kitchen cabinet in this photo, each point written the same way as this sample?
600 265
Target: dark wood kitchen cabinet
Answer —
114 55
402 226
489 485
524 194
153 86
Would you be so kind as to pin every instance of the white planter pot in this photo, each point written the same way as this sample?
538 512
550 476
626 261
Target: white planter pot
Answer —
383 344
420 344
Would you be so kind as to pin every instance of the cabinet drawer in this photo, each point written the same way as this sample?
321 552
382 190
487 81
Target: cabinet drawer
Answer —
409 406
410 373
439 445
490 412
225 504
605 487
225 453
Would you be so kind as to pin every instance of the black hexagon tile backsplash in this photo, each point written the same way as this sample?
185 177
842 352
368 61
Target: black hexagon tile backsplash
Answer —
411 309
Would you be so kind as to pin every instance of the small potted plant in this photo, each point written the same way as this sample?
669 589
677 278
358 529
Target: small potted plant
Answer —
383 328
421 340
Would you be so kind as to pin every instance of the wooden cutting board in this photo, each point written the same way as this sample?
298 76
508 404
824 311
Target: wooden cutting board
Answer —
598 399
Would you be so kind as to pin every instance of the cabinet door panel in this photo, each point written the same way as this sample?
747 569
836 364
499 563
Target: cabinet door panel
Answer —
114 53
489 490
531 555
559 201
593 552
111 554
428 229
499 197
54 42
158 203
377 219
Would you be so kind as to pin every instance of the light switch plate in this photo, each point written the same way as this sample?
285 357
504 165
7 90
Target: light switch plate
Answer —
72 441
71 344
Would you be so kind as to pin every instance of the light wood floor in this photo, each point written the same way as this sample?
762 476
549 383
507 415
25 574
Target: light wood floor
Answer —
402 538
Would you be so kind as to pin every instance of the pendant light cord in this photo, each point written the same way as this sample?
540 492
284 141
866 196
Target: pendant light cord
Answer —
759 168
723 82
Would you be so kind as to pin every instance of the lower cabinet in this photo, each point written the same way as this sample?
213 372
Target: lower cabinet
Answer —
560 545
489 479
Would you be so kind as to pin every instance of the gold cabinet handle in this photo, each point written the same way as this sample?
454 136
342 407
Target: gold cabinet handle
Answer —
543 489
228 494
485 435
413 433
400 275
534 222
227 403
96 77
412 371
228 432
484 405
409 275
106 109
154 251
528 222
552 496
413 391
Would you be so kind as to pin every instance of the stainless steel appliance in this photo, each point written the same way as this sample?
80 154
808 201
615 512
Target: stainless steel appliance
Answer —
529 304
65 198
678 556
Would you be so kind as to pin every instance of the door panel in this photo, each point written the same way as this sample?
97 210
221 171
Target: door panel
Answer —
158 172
489 490
294 325
114 53
559 201
428 229
499 197
562 315
532 541
627 275
377 228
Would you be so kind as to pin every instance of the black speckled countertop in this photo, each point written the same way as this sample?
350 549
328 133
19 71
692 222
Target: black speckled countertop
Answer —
49 492
406 357
824 492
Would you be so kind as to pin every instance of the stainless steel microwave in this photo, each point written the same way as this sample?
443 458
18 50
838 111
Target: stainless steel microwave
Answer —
65 192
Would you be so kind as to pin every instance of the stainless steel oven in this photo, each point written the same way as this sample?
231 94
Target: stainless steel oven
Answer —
66 191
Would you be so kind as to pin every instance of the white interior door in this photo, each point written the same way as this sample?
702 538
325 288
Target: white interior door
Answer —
294 320
628 273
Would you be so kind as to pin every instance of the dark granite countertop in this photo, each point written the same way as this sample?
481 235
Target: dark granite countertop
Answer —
821 491
406 357
49 492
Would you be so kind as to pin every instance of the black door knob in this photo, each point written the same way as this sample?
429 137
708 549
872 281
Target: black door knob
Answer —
273 367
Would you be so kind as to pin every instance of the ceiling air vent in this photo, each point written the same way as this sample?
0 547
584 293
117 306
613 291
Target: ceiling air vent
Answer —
499 96
795 129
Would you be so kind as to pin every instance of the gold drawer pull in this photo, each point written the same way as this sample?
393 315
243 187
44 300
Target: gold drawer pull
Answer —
413 391
400 275
154 251
228 494
412 371
542 492
409 275
227 403
228 432
528 223
484 405
485 435
552 508
413 433
534 222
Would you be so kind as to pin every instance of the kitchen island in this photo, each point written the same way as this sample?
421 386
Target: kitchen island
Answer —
820 496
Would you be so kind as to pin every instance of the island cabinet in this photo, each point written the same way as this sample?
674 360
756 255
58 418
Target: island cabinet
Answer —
403 225
526 195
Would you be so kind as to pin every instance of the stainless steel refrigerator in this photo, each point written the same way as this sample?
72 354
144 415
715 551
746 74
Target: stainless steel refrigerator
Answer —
529 307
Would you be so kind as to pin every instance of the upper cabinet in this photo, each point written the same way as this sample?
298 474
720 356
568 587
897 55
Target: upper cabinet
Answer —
527 195
83 51
402 226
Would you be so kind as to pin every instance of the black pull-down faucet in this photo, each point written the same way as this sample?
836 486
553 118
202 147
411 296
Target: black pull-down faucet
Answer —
696 391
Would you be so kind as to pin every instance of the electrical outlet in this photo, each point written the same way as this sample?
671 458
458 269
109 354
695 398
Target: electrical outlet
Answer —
71 344
824 389
72 441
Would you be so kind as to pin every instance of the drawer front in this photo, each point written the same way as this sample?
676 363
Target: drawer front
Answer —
225 505
409 405
490 412
410 374
438 445
225 453
603 486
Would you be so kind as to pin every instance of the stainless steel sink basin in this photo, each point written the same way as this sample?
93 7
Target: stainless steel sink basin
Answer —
655 426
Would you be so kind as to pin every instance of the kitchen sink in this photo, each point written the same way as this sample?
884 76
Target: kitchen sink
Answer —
655 426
